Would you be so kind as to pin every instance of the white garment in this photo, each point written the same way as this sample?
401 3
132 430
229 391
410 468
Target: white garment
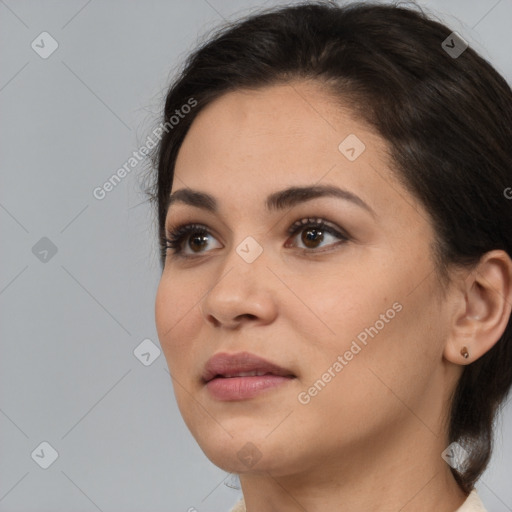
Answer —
473 503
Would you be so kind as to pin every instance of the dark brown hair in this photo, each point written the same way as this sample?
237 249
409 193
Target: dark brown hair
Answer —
447 121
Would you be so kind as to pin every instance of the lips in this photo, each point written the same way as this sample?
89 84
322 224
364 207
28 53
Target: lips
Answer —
243 376
242 364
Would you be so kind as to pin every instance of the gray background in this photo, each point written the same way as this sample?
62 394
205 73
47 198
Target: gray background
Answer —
71 321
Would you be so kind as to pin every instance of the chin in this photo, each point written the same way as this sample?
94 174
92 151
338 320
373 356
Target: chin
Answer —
248 451
241 460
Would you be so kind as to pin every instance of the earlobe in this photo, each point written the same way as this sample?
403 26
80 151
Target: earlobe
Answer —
485 303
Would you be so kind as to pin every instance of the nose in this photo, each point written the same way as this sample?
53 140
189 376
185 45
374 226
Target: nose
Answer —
243 292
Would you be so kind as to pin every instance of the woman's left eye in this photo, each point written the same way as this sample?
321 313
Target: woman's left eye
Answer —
313 232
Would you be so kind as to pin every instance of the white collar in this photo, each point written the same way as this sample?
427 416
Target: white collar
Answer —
473 503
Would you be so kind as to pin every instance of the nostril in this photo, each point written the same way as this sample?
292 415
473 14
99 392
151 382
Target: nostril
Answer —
214 321
246 315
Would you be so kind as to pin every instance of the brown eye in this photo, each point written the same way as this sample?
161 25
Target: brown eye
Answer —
313 232
196 237
201 241
311 237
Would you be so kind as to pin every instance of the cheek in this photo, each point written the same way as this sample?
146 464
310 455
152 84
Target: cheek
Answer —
375 320
343 305
371 368
175 309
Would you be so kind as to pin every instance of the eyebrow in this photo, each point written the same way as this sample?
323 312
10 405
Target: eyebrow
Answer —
280 200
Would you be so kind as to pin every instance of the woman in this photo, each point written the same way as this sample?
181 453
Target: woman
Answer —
335 299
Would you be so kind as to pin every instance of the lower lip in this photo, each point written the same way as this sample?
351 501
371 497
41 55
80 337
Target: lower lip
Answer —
242 388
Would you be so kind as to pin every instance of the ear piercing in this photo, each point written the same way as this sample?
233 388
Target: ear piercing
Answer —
464 352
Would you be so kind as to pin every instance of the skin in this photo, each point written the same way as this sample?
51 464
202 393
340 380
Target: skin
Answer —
372 438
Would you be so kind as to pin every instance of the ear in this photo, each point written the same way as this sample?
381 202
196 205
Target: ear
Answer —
482 309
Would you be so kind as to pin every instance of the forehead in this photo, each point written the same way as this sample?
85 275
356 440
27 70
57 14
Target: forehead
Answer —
247 144
287 129
273 123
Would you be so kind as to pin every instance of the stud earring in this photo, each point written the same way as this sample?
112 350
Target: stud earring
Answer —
464 352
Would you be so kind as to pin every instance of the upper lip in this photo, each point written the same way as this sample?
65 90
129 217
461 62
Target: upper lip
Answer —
229 365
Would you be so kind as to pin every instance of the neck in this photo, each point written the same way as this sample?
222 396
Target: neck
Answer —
403 471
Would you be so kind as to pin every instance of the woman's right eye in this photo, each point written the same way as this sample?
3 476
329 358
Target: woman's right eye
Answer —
177 236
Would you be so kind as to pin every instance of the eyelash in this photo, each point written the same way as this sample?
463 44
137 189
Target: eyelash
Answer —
176 236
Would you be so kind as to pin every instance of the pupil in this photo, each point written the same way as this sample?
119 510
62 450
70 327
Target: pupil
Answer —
198 237
311 237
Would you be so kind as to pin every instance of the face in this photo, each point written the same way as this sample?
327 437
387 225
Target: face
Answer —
351 308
